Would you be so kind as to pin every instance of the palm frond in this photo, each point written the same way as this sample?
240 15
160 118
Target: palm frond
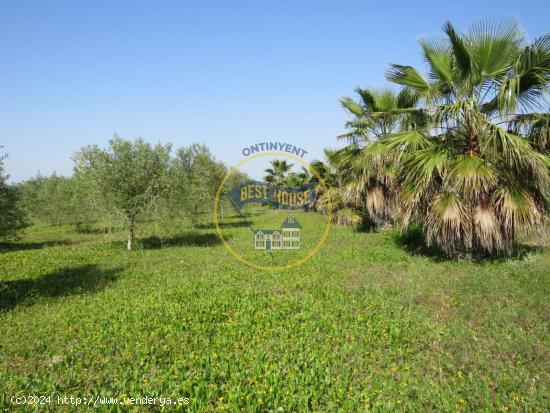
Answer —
493 46
409 140
410 77
447 223
517 207
352 106
440 60
472 176
460 51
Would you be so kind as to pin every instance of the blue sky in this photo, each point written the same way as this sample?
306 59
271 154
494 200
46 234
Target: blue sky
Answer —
227 74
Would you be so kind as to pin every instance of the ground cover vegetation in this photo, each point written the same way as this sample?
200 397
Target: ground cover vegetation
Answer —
431 292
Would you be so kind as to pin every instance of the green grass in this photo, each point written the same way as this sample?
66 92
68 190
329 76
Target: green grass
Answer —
240 236
365 325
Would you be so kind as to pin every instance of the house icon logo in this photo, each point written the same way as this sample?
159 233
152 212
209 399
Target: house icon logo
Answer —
287 237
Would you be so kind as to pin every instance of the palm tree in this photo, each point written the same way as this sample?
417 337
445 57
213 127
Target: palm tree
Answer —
298 179
476 173
328 195
278 172
327 191
368 174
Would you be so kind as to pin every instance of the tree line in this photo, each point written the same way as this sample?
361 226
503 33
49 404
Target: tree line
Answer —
462 152
117 187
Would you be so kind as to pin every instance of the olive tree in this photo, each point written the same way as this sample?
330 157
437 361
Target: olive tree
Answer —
130 175
12 217
59 200
195 177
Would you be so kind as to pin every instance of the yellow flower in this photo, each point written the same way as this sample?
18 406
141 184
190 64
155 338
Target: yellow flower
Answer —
459 373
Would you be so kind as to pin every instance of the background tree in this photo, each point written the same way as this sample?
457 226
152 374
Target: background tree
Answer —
329 192
328 195
298 179
130 175
57 200
277 174
12 216
476 174
195 176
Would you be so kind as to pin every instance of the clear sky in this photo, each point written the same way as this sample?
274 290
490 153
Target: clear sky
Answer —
227 73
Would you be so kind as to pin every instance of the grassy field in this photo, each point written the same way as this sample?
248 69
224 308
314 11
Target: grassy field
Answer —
368 324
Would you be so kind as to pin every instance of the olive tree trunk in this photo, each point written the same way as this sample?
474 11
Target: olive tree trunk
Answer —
131 234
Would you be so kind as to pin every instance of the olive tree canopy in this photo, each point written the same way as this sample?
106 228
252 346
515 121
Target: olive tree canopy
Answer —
130 175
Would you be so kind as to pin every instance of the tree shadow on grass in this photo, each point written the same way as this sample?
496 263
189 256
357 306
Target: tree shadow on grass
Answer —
191 239
239 224
20 246
254 213
63 282
413 242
